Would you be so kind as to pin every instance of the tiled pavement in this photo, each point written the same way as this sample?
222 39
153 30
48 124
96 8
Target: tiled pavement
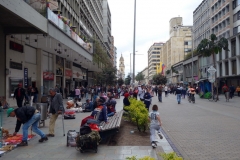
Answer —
55 148
204 130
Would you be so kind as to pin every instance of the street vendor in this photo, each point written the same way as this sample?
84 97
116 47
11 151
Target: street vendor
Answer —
28 116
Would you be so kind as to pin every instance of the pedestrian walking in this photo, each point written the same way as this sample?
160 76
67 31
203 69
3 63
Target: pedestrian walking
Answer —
147 99
225 90
56 108
28 116
160 88
19 94
141 93
156 90
155 125
166 91
35 99
178 92
77 92
232 90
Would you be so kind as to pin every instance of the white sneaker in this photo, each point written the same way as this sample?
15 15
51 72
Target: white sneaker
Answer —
160 135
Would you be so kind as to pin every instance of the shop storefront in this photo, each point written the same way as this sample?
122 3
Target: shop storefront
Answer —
59 71
78 75
48 78
68 79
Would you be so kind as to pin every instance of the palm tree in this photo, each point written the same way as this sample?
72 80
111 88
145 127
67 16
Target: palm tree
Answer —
211 47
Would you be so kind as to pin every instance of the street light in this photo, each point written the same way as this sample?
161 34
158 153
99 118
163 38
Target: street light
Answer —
134 32
131 64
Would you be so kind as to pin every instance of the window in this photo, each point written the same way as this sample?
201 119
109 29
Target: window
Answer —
68 64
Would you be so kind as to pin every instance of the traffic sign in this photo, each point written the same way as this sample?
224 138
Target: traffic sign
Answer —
211 70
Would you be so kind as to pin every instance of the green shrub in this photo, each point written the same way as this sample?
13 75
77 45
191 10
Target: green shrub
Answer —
170 156
138 114
144 158
207 95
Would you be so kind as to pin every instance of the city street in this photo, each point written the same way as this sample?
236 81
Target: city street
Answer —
204 130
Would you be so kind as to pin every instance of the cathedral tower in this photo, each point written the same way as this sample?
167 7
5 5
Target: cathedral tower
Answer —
122 67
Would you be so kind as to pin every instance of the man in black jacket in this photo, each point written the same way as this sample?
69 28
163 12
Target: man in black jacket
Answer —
28 116
20 94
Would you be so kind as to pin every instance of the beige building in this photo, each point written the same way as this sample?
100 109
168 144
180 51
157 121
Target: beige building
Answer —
121 68
145 73
178 45
154 55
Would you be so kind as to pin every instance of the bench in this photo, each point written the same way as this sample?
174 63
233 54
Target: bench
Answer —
107 130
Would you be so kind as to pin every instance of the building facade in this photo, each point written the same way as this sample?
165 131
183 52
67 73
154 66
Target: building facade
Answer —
45 49
145 73
178 46
154 56
121 72
115 57
107 33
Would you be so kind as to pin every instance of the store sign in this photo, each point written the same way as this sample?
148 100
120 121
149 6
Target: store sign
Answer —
16 46
59 72
48 76
77 75
15 65
68 73
25 77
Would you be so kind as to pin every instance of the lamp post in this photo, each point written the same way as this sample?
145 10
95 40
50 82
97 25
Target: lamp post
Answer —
134 31
131 64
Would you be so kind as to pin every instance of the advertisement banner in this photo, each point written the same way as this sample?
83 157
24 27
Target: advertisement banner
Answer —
25 74
68 73
48 76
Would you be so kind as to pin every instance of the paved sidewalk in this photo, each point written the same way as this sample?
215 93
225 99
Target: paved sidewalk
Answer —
55 148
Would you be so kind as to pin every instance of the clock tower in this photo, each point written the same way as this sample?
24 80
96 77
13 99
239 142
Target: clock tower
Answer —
121 68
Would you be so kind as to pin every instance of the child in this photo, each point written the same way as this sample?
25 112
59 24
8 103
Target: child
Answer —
155 123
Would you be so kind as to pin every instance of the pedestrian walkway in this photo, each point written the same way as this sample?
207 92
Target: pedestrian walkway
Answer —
55 148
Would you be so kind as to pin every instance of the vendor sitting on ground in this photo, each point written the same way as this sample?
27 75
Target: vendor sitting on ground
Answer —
98 115
126 101
78 102
88 106
110 110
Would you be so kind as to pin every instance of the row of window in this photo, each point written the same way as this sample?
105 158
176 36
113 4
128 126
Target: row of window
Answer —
221 26
217 4
235 3
221 13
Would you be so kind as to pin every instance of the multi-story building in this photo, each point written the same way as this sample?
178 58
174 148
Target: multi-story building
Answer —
45 49
112 50
107 25
154 56
178 46
145 73
225 15
201 22
115 57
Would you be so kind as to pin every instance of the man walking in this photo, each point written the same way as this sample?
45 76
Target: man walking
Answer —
160 93
232 90
56 108
19 94
29 116
156 90
178 92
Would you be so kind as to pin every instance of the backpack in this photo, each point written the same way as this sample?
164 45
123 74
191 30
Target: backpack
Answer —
85 130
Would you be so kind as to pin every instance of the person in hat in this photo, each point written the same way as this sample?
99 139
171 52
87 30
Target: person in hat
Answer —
28 116
20 94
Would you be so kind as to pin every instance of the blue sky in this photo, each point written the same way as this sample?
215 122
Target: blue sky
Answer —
152 25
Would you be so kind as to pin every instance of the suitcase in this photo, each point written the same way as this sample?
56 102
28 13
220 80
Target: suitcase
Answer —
71 138
88 142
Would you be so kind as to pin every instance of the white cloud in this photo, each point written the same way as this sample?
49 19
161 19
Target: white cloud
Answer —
152 25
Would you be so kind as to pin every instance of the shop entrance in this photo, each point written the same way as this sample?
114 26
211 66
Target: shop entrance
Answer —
58 81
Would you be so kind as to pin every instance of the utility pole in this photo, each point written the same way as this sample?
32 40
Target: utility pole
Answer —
134 32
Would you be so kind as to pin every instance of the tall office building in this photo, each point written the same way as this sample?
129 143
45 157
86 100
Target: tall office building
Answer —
107 26
154 55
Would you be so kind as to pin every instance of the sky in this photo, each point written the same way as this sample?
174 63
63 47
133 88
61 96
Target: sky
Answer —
152 25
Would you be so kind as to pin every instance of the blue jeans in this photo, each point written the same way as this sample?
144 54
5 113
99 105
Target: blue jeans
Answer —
179 97
159 97
110 114
34 123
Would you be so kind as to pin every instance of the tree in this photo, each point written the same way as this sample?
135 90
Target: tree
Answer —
128 80
139 77
120 81
159 79
211 47
107 76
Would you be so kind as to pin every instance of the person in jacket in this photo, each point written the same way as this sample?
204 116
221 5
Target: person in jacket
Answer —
166 90
147 99
159 90
126 101
98 115
35 99
89 106
56 108
28 116
232 90
141 92
178 92
20 94
225 90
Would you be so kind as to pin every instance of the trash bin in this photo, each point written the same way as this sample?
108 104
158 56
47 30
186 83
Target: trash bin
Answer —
42 107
